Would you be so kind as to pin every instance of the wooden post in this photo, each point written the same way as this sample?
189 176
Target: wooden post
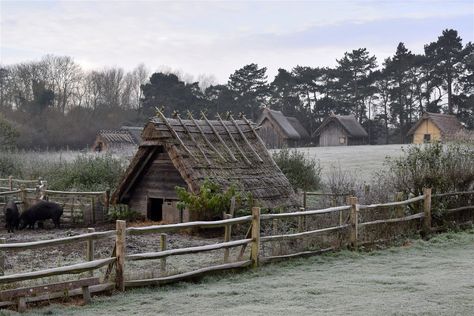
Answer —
90 250
354 222
2 257
93 210
254 251
107 200
10 182
304 199
301 221
275 232
427 210
21 304
227 235
163 248
400 210
86 294
120 247
23 196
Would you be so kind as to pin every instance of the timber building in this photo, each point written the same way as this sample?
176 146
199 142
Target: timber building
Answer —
278 130
341 130
434 127
186 152
127 139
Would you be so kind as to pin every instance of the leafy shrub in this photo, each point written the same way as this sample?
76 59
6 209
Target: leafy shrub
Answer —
303 173
443 168
122 212
211 201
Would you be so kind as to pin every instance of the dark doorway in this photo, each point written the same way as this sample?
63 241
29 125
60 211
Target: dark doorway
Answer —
155 209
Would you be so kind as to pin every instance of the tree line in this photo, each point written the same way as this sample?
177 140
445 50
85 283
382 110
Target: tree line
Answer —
54 102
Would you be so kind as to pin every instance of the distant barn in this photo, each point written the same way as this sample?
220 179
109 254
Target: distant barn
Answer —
341 130
125 139
185 153
434 127
278 130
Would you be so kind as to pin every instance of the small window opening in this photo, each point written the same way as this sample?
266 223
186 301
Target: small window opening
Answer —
427 138
342 140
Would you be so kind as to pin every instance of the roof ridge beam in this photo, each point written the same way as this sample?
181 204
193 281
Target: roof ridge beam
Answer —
233 140
219 137
245 138
193 139
205 138
174 133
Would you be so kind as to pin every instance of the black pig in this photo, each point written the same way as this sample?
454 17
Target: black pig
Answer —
39 212
11 216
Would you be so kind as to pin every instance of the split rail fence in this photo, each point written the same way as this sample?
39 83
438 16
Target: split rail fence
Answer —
262 229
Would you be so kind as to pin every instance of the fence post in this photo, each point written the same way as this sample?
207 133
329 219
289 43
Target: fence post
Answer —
2 257
304 199
120 248
354 221
23 196
163 248
90 249
427 210
227 234
275 232
254 251
107 200
399 210
10 182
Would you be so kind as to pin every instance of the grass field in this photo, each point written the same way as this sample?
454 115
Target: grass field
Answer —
420 278
362 161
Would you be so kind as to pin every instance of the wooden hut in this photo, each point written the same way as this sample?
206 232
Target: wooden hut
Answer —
434 127
179 152
341 130
127 138
278 130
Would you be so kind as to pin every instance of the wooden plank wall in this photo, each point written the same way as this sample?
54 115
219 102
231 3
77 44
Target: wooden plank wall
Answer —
157 181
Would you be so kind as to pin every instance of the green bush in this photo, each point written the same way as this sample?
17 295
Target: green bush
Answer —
444 168
303 173
122 212
212 200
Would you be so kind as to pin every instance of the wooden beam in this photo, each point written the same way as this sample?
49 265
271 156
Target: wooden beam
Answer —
205 138
54 242
71 269
175 134
298 254
305 213
187 275
219 137
393 220
50 288
245 139
180 226
302 234
186 251
192 138
233 140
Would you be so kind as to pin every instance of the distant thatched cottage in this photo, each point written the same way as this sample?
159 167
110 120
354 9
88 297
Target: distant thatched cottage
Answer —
184 153
341 130
127 139
278 130
434 127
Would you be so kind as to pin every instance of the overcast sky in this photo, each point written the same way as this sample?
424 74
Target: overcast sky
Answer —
218 37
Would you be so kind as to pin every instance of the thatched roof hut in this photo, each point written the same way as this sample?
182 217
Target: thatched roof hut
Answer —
178 152
118 140
341 130
434 127
278 130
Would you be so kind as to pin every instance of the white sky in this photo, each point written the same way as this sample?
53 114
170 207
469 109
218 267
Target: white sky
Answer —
218 37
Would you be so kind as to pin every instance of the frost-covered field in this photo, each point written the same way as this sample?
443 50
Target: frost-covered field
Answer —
361 161
419 278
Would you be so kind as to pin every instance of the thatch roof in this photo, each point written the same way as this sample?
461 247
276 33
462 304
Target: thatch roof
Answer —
225 152
348 122
447 124
290 126
124 135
